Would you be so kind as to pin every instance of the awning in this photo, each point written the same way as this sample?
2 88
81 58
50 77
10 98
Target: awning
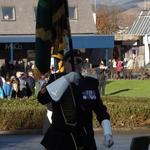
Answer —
93 41
79 41
17 38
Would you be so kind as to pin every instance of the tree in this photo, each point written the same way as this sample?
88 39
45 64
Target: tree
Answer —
107 20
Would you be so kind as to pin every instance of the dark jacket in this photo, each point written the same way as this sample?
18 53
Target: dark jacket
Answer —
64 133
90 102
73 113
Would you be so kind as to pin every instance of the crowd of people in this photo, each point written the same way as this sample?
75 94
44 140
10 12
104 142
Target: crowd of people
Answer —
121 69
113 70
16 81
19 86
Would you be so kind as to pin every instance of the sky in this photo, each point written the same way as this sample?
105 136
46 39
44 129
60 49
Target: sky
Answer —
122 3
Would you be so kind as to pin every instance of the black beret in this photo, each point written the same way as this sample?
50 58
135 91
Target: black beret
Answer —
76 52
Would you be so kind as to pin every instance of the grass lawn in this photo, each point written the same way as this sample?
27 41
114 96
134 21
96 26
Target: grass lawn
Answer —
128 88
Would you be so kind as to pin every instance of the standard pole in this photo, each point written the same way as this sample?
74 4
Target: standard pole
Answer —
69 35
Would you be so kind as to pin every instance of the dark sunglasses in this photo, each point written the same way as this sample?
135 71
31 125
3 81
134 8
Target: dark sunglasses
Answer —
76 61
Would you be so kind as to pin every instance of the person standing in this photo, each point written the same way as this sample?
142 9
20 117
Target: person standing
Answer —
30 83
74 98
14 87
130 67
114 71
22 85
87 66
119 68
64 132
7 87
101 76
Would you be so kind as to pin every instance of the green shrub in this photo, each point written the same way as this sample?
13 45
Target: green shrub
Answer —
29 114
127 112
21 114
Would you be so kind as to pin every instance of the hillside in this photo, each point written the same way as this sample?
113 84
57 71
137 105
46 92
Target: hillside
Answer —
129 9
129 15
127 4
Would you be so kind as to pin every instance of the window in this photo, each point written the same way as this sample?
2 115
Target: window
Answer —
73 13
8 13
35 12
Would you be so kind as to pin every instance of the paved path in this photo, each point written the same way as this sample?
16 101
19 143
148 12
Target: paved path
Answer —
32 141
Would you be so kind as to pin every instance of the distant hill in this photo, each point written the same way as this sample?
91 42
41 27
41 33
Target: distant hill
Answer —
129 9
134 11
126 4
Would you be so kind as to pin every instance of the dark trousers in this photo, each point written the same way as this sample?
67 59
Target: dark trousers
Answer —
62 140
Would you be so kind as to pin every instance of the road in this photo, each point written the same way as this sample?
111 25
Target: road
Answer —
30 141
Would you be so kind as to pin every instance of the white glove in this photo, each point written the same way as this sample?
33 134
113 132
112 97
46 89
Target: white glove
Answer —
108 142
72 77
59 86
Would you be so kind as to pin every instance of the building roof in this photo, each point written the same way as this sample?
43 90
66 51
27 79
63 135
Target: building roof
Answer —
85 22
24 23
141 26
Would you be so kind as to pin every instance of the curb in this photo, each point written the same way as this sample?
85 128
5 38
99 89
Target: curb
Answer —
126 130
17 132
39 131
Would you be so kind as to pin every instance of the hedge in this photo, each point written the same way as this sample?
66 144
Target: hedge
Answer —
21 114
127 112
29 114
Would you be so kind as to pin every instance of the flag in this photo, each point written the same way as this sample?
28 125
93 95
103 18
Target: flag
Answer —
51 29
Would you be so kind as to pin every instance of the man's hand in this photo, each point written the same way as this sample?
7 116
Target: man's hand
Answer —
72 77
57 88
108 142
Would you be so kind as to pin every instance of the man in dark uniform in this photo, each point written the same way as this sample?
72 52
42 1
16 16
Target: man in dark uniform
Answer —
73 98
65 133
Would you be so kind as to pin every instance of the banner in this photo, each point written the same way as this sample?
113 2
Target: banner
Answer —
51 29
